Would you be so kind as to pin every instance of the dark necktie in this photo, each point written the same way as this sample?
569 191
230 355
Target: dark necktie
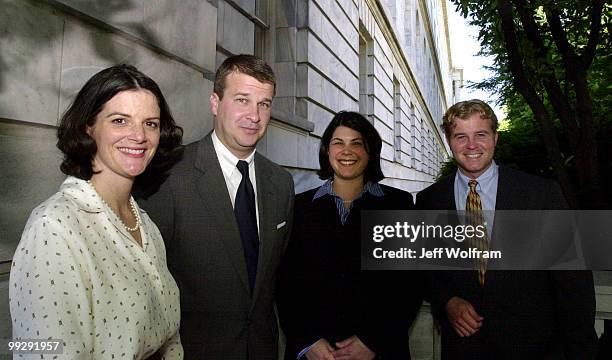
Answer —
244 208
473 210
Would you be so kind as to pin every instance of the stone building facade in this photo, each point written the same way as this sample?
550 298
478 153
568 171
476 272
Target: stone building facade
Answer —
389 59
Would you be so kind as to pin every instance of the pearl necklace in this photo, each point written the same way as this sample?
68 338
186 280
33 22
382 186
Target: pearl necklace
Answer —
132 209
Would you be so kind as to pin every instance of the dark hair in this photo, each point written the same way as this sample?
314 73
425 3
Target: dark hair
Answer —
79 148
246 64
373 145
465 109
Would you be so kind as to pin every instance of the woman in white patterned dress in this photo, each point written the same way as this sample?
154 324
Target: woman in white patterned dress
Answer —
90 269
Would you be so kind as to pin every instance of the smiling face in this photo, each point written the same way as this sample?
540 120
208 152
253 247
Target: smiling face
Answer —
472 142
126 132
347 154
242 115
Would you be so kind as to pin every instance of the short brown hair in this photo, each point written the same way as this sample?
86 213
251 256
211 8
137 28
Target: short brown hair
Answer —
465 109
246 64
79 148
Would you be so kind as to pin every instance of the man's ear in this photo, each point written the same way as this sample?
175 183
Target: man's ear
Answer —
214 103
496 137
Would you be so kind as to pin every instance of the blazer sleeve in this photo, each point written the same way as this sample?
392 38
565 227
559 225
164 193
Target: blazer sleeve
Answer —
439 286
575 299
396 300
394 297
295 314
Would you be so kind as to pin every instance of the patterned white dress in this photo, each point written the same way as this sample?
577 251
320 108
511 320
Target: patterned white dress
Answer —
78 276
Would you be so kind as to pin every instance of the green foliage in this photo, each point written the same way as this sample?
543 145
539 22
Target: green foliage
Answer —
520 145
544 61
484 14
447 168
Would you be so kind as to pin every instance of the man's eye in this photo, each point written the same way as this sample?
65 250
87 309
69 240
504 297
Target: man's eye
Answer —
241 101
265 105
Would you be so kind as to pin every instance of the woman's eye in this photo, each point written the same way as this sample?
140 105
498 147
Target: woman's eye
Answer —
152 124
118 121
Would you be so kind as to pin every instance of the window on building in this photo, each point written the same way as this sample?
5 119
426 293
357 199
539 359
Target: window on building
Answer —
417 22
408 27
242 28
366 73
422 151
397 121
257 27
430 155
415 140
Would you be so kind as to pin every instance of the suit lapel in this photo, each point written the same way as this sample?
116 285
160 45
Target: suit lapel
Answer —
446 195
213 190
266 201
508 235
503 198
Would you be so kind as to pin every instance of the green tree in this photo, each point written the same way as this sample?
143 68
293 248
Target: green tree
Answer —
520 141
544 50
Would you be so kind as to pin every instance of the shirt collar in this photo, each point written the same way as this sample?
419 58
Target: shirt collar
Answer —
83 194
371 187
485 180
87 199
227 160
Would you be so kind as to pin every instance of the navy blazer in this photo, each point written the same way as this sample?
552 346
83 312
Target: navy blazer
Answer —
322 292
527 314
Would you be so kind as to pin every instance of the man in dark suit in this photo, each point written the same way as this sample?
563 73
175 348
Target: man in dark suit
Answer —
225 213
503 314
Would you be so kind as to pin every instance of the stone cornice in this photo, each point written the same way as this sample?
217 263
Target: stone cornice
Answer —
386 29
429 31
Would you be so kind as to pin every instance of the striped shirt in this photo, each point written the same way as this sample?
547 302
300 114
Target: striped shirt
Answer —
327 189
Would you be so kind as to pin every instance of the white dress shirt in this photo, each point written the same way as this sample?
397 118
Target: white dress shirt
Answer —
232 175
79 276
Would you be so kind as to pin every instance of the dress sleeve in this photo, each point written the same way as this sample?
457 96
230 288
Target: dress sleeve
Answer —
172 349
50 291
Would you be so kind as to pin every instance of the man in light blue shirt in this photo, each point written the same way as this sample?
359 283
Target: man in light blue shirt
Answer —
503 314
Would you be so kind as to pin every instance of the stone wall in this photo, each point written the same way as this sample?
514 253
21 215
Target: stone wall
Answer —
49 50
329 55
348 59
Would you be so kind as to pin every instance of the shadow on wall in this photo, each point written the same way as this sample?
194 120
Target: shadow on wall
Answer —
43 42
48 49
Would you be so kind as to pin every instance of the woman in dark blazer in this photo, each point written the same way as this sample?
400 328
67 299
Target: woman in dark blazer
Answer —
328 307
